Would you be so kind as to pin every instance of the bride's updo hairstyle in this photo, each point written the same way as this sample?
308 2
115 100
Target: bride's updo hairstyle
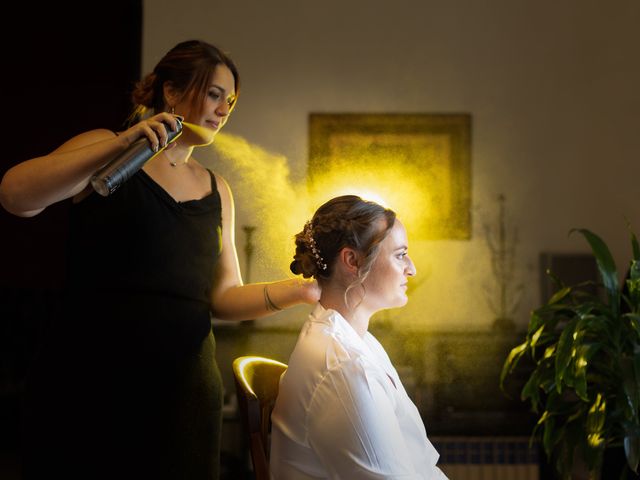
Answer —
346 221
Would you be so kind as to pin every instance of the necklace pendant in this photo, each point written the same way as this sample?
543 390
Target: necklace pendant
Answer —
172 163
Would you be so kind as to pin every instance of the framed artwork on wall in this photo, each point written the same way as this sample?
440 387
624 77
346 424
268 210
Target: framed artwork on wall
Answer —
417 164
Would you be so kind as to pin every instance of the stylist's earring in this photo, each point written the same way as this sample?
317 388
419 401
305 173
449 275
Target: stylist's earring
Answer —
173 110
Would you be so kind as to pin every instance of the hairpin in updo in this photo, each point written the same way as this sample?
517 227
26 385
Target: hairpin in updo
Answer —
311 243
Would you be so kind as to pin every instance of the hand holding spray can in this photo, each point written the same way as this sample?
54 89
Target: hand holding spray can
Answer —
106 180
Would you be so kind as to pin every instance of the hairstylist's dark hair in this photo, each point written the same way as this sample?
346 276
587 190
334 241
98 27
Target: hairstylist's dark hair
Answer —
346 221
188 67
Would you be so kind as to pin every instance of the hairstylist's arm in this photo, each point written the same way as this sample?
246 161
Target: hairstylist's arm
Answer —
231 300
31 186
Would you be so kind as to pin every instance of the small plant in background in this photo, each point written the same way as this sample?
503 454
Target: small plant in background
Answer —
502 242
585 384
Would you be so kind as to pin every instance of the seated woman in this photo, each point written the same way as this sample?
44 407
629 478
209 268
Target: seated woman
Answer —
342 411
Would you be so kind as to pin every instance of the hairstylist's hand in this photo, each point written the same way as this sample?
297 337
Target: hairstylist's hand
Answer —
310 290
154 128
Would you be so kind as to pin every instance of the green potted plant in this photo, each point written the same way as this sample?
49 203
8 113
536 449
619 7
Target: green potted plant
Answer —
584 382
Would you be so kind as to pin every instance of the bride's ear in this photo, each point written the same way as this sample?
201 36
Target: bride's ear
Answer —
349 260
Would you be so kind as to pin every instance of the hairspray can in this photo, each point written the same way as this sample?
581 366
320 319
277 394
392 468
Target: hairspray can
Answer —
106 180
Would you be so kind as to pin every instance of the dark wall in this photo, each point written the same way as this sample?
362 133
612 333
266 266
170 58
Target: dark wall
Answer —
63 76
64 72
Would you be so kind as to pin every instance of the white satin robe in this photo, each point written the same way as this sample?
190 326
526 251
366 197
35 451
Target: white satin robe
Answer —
342 412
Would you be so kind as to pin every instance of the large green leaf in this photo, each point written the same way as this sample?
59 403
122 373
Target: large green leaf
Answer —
535 321
535 337
541 377
550 435
584 354
512 360
634 269
563 355
550 350
596 415
632 451
635 247
633 286
530 390
636 370
630 387
545 340
596 440
631 443
559 295
557 280
606 265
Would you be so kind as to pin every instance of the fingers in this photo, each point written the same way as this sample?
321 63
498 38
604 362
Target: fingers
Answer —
170 119
155 132
156 129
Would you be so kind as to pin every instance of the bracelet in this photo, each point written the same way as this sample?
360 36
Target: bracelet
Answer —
271 307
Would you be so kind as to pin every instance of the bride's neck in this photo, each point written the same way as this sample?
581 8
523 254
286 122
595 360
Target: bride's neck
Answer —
351 308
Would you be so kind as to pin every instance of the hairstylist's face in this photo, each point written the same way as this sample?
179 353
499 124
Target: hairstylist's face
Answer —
386 284
220 99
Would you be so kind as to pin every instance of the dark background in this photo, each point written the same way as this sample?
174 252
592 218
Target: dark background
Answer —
66 69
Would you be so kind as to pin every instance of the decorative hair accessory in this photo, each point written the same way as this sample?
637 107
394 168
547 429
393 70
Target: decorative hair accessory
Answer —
311 242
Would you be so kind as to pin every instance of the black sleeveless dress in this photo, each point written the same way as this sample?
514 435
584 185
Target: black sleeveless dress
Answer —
128 386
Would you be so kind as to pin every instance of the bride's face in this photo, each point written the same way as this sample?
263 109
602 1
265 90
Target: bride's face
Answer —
386 284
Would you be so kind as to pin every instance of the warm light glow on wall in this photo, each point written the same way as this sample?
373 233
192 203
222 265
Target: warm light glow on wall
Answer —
388 186
418 163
